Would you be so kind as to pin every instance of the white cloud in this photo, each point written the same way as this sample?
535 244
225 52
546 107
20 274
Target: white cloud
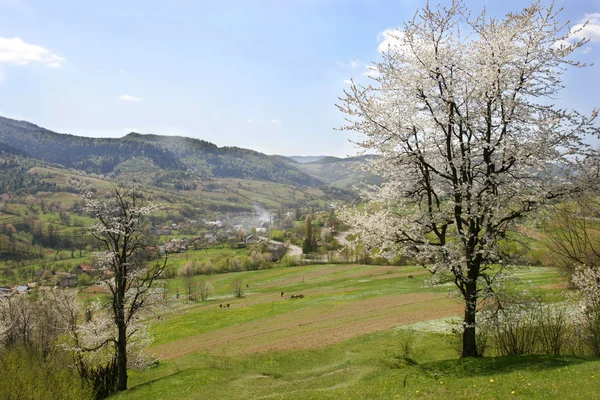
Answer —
371 72
390 39
348 64
276 121
129 130
587 28
348 81
590 31
16 51
128 97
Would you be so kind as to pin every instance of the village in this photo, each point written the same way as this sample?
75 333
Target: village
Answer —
230 232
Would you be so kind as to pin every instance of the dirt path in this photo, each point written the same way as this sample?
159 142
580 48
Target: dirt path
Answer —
314 327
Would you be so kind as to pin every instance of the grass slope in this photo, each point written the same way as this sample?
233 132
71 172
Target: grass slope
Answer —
339 342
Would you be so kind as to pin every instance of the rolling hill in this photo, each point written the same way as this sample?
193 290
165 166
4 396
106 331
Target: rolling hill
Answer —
343 173
160 153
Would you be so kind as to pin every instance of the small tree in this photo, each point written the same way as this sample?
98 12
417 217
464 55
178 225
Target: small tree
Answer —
457 114
237 287
587 280
574 234
205 289
129 276
309 244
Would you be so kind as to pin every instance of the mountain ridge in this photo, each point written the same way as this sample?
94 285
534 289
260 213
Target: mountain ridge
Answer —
169 153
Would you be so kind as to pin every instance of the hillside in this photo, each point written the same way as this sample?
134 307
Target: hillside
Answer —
342 173
306 159
192 157
207 159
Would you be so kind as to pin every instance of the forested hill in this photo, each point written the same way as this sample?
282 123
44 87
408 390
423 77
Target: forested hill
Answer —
165 152
343 173
208 159
88 154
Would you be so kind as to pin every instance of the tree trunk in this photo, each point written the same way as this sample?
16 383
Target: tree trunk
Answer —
469 341
122 358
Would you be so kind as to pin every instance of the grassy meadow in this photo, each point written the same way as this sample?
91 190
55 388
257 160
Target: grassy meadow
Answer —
341 341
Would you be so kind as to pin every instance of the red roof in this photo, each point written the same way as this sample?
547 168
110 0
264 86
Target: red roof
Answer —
86 267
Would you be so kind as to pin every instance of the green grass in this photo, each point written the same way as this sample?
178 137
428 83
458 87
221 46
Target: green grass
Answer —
361 367
364 368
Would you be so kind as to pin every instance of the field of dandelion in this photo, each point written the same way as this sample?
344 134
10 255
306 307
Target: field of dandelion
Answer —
343 340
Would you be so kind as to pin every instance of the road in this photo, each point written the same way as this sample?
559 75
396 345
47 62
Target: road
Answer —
293 251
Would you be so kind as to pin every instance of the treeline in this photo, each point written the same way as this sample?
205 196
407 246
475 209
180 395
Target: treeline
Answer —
89 154
171 153
210 160
26 239
15 179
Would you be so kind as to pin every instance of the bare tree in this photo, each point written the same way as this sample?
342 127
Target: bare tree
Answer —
574 232
457 115
127 273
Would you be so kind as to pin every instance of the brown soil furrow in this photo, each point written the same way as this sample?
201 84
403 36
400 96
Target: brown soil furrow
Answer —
315 327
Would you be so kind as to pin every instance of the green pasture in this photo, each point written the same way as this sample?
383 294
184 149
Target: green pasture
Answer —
227 364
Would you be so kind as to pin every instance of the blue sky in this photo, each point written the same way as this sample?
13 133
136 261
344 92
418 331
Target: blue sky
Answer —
259 74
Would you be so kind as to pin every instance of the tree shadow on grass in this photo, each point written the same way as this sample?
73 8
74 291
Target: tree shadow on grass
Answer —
466 367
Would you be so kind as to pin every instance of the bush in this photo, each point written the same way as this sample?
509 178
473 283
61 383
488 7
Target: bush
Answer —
26 375
277 235
84 279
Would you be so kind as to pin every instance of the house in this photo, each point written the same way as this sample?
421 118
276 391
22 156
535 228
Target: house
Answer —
23 289
250 239
83 268
69 281
210 238
231 236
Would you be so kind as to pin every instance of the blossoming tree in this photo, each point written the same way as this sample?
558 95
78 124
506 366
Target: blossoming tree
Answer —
129 276
459 113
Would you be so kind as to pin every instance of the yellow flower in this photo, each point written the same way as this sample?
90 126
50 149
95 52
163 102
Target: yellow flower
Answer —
441 383
513 392
491 380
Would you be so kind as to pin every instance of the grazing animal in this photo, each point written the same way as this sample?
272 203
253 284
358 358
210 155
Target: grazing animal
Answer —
220 305
281 294
293 296
247 285
227 305
410 277
297 296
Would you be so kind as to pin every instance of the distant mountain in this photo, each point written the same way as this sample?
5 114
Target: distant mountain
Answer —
306 159
208 159
150 153
88 154
8 149
341 172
